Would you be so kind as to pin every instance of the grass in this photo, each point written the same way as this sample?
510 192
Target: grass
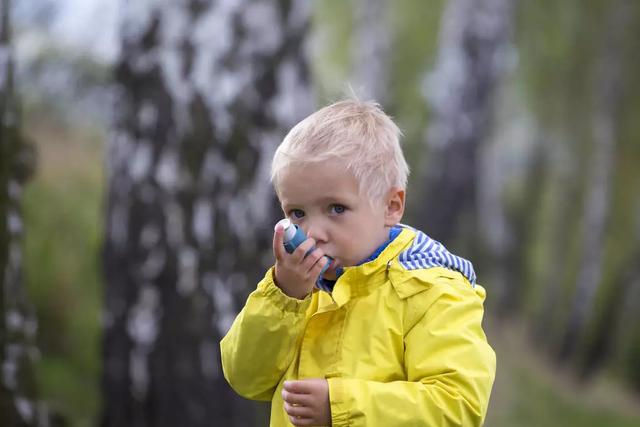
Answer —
528 392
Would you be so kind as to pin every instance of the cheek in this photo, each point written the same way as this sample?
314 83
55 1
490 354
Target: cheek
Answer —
346 243
357 244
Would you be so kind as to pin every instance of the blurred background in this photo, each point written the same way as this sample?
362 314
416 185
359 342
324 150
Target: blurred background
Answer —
136 209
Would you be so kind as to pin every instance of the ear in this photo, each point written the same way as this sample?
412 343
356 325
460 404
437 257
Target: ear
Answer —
394 206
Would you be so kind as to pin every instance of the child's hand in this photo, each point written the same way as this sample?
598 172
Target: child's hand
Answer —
296 274
307 402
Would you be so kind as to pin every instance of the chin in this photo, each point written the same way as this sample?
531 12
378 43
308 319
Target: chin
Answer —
329 276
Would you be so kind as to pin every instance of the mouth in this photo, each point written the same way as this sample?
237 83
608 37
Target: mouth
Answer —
331 272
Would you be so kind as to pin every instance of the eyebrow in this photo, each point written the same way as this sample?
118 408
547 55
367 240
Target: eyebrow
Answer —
288 206
323 200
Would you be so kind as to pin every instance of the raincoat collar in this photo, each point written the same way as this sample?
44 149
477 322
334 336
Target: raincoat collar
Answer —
411 250
362 279
327 285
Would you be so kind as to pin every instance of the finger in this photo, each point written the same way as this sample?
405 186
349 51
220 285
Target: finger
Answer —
318 266
302 421
278 246
297 387
298 411
301 251
297 399
310 261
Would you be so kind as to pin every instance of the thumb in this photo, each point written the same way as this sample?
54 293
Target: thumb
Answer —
278 239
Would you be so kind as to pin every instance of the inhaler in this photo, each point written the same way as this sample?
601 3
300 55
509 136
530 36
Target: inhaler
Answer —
292 238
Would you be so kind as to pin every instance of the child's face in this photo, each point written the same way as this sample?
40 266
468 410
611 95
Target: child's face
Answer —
324 199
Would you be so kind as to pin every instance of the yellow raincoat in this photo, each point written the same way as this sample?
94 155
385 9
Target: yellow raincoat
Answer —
398 346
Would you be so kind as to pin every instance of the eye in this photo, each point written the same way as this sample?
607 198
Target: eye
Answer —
338 209
296 213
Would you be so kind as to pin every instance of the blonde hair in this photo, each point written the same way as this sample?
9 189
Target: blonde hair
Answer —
359 133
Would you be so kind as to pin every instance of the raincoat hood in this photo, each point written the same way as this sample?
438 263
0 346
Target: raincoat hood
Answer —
426 252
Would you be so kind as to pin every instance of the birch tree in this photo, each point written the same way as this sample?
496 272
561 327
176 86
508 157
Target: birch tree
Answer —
205 92
473 50
18 398
371 50
608 90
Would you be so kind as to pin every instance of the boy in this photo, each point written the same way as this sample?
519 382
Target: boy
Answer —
390 334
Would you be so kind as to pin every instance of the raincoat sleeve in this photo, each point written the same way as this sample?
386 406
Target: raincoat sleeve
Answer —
449 365
261 343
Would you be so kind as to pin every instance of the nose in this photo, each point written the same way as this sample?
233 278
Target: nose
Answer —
317 231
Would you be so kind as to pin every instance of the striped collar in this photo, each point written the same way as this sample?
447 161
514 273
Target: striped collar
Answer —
423 253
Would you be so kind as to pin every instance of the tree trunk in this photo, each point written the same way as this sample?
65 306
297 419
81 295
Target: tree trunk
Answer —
472 54
553 179
608 91
18 397
206 91
371 50
504 221
600 347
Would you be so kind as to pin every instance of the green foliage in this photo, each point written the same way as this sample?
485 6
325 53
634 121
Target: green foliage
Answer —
529 392
62 211
556 55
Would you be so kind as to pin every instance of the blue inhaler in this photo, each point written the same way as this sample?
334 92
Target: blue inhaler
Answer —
292 238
